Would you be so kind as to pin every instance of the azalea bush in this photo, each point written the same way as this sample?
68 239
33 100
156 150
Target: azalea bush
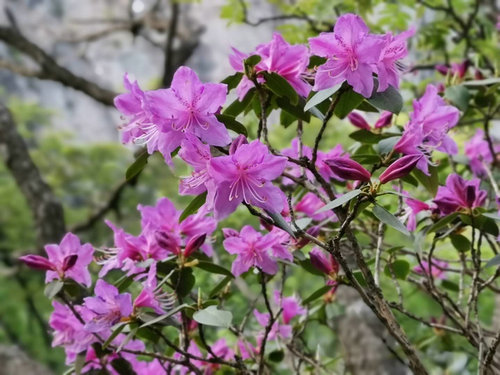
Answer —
398 210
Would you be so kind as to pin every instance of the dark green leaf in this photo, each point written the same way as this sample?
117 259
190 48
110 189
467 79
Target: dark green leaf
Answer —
410 180
348 101
236 107
320 97
366 158
211 316
231 124
277 355
366 107
388 100
318 293
280 222
52 288
295 110
482 82
280 86
365 136
386 145
252 61
113 335
400 268
492 215
122 366
461 243
339 201
220 286
315 61
387 218
233 80
458 95
359 278
183 281
193 206
286 119
137 166
441 223
161 318
483 223
214 268
450 285
431 182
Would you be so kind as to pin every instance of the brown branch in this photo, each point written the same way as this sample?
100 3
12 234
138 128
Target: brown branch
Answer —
51 70
47 211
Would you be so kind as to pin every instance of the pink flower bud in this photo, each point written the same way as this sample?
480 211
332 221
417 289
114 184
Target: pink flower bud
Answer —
357 120
313 231
400 168
238 141
266 224
460 69
348 169
69 262
441 68
194 244
384 120
37 262
230 232
325 263
478 75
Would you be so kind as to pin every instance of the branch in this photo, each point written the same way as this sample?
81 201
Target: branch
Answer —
51 70
47 211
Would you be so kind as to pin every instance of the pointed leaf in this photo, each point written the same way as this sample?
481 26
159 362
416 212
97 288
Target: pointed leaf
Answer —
388 100
320 97
231 124
193 206
214 268
387 218
280 86
211 316
339 201
137 166
280 222
233 80
318 293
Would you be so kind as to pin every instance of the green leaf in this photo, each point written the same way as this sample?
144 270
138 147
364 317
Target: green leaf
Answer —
287 119
366 158
164 316
122 366
303 223
233 80
277 356
492 215
458 95
193 206
320 97
236 107
52 288
252 61
220 286
431 182
365 136
387 218
441 223
386 145
280 86
214 268
400 268
348 101
366 107
79 363
461 243
137 166
211 316
318 293
280 222
450 285
183 281
388 100
231 124
358 275
306 264
482 82
339 201
495 261
295 110
119 327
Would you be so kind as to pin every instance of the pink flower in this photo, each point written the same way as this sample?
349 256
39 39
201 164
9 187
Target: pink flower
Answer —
324 263
352 55
278 330
414 208
69 259
428 127
245 177
279 57
400 168
357 120
309 204
109 306
348 169
252 250
478 152
153 297
437 268
459 194
290 305
189 106
197 155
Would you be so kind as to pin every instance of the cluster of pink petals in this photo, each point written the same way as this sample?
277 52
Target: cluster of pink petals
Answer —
219 348
161 118
277 56
427 130
479 154
437 268
354 55
359 121
459 194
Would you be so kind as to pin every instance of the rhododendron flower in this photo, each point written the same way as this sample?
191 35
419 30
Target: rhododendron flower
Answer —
153 297
323 262
109 306
414 208
189 106
197 155
283 331
68 331
387 68
277 56
456 69
245 177
359 121
352 55
428 127
400 168
290 305
69 259
437 268
348 169
309 204
459 194
253 250
478 152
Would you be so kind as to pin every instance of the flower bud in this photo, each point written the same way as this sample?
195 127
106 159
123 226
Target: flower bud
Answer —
37 262
194 244
400 168
348 169
384 120
357 120
441 68
69 262
238 141
324 263
230 232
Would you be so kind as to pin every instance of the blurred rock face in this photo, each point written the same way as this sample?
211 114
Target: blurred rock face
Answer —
15 362
101 40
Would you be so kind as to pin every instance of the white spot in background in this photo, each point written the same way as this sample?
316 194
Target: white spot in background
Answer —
137 6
